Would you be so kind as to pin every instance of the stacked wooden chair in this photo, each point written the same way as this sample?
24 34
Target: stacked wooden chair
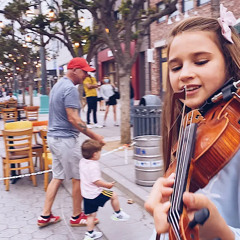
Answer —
47 156
18 148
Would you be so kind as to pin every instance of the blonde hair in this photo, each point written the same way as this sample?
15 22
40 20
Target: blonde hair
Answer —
231 54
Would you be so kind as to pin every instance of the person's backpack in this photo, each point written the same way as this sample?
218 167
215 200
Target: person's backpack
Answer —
116 93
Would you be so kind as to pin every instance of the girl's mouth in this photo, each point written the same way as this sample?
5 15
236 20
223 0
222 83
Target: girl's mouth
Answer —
192 88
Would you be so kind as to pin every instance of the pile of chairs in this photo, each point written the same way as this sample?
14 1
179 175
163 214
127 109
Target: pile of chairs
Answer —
23 140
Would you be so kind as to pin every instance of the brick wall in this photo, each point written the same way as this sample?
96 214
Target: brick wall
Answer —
159 33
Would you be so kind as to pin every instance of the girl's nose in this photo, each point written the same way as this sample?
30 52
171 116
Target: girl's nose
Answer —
186 73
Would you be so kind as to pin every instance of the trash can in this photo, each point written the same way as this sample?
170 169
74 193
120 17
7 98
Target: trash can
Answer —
146 116
148 159
150 100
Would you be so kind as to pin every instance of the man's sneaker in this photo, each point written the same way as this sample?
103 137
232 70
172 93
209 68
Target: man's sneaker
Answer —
81 221
93 235
42 222
97 126
89 126
122 216
116 124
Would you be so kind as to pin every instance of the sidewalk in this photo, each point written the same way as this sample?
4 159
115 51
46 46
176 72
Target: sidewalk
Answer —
115 167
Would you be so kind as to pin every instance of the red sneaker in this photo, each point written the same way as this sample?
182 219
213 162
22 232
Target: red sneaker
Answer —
81 221
42 222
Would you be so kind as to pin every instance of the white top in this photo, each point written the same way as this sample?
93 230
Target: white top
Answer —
89 173
106 91
8 97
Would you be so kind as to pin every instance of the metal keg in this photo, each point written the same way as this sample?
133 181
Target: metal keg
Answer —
148 159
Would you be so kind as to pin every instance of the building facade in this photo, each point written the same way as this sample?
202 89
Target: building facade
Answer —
140 73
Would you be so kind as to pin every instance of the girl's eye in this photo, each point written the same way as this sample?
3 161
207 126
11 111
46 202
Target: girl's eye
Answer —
175 69
201 62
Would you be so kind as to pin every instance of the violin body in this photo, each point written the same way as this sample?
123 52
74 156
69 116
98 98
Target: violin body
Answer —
217 141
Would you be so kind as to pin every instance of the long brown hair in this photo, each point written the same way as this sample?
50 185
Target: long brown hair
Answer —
231 54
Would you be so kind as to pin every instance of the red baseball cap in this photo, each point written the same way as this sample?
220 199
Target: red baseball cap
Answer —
80 63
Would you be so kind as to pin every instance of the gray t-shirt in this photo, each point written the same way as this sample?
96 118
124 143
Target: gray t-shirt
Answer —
63 95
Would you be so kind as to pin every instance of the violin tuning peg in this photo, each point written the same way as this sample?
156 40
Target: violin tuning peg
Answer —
200 217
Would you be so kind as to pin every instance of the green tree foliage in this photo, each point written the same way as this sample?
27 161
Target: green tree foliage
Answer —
64 26
16 60
115 26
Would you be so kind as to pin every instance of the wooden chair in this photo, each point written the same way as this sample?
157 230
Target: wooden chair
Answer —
11 103
2 105
37 147
9 114
18 125
18 148
47 156
31 113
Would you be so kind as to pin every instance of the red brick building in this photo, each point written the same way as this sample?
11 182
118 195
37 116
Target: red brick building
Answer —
159 31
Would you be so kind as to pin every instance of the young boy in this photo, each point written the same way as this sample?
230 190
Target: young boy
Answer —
92 188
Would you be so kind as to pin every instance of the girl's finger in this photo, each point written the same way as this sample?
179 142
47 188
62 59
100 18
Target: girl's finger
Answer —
160 217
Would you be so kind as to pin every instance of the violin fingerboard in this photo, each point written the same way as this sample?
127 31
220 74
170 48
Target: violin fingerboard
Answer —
184 156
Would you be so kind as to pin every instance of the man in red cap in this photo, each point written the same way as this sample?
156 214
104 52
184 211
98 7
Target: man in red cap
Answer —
64 126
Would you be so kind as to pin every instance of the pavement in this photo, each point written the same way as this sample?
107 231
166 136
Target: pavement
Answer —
21 206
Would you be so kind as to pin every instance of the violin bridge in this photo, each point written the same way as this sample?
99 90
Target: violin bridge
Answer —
194 117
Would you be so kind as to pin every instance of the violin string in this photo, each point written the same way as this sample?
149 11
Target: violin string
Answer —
179 180
172 199
175 226
178 116
184 161
181 160
173 214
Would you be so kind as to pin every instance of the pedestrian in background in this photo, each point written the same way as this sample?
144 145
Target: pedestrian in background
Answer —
92 187
100 98
131 101
90 88
10 96
107 92
82 96
64 126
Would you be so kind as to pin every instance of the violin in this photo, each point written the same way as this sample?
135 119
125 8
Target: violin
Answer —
209 138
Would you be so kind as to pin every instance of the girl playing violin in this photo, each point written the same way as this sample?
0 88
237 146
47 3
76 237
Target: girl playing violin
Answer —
203 53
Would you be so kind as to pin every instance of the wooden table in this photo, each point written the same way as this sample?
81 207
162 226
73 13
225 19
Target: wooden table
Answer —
20 108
